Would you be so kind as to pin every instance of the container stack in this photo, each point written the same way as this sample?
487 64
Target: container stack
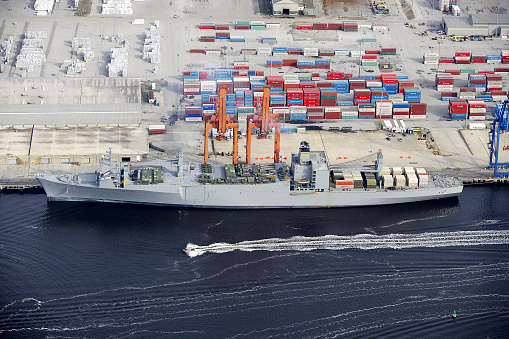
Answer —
294 51
418 110
498 96
476 109
493 82
390 82
366 111
319 26
294 97
322 64
191 85
328 97
361 96
326 52
369 60
335 76
405 84
422 176
256 24
458 109
332 112
349 112
477 81
334 26
264 51
341 86
388 51
311 51
269 40
370 180
298 113
462 57
467 93
208 87
350 26
242 24
430 59
478 58
387 181
241 65
505 56
344 181
289 62
378 95
274 63
412 94
401 110
384 109
305 64
315 113
356 84
193 113
223 35
493 59
444 82
311 97
399 180
280 51
411 177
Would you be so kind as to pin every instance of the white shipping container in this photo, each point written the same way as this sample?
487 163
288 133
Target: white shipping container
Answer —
399 180
476 125
477 110
291 82
348 113
408 171
290 77
505 52
420 170
280 53
341 52
280 110
357 53
298 109
311 51
373 83
264 50
423 179
477 117
194 118
387 181
272 25
427 55
257 23
213 52
397 171
330 109
430 62
415 117
256 78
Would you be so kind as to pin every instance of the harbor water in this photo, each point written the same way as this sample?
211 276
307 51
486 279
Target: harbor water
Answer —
104 270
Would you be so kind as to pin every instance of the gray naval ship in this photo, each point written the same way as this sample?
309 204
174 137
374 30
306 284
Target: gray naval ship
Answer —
308 182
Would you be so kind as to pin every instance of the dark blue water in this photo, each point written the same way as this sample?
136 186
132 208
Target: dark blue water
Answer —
99 270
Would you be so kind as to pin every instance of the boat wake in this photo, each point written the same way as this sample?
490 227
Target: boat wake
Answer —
361 241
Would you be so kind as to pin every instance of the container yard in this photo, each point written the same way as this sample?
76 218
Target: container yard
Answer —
335 71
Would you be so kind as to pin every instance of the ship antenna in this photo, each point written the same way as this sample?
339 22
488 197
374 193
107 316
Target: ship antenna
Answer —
180 162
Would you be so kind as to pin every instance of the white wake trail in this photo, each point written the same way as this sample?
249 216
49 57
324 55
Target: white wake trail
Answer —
361 241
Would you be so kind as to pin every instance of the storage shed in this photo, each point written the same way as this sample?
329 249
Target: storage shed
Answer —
285 7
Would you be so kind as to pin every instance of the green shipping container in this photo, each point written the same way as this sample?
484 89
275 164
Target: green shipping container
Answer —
467 70
368 39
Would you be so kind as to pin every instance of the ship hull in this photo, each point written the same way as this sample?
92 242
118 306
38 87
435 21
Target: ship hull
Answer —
273 195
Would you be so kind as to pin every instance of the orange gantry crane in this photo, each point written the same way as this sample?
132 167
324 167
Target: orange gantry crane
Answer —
265 122
222 122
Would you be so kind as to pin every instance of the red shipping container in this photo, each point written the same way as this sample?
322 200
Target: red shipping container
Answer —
207 26
319 26
446 60
305 27
197 51
307 85
332 115
290 62
452 71
334 27
224 27
372 52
